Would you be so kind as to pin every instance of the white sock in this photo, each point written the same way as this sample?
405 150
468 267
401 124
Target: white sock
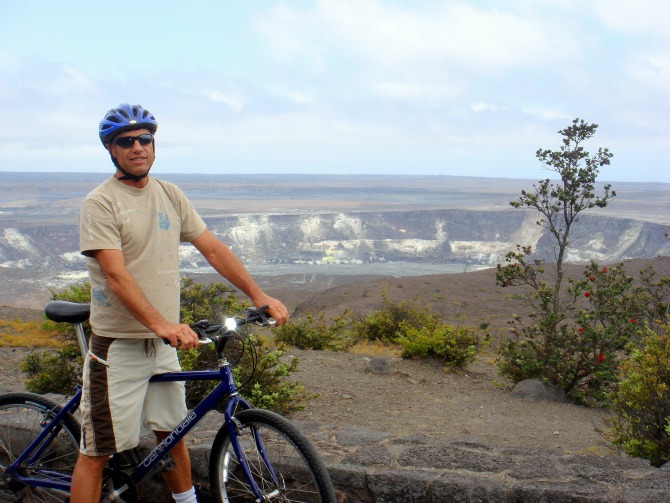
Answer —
186 497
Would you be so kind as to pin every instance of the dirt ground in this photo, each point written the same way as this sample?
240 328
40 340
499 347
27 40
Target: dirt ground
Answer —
425 397
406 397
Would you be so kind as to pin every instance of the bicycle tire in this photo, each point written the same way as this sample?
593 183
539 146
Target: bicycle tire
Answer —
22 417
302 474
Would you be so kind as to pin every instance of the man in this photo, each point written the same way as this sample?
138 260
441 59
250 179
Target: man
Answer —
131 226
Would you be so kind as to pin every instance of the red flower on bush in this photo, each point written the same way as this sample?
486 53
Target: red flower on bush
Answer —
592 278
601 358
605 269
580 330
633 320
587 294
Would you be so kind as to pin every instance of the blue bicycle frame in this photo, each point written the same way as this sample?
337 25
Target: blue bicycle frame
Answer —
225 388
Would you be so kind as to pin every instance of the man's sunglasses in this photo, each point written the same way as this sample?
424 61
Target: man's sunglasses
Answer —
128 141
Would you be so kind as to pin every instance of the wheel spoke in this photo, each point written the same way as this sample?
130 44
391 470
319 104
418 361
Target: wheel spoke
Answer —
283 465
22 418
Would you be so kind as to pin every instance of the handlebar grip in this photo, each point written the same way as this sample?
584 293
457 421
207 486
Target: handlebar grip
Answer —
258 315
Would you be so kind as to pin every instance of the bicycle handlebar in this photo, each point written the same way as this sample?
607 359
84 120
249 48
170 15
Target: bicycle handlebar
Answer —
76 313
251 316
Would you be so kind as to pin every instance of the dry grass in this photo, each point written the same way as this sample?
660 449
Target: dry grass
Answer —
18 333
374 348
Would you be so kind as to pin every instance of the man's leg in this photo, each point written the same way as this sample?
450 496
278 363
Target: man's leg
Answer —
87 479
178 479
164 408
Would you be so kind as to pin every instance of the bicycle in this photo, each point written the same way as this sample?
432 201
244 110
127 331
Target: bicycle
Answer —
256 455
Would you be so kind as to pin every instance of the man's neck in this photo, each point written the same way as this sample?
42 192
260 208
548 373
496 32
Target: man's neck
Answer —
140 184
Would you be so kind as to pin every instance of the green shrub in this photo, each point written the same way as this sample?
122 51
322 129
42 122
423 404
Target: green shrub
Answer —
571 357
640 403
386 323
264 379
269 386
580 348
76 292
52 371
455 346
315 333
418 331
207 302
517 360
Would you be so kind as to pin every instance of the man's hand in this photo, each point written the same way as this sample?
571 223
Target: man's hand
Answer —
275 308
178 335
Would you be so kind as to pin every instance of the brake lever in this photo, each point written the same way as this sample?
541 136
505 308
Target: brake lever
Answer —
202 328
264 320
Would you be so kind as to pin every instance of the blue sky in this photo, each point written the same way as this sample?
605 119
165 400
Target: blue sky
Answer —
435 87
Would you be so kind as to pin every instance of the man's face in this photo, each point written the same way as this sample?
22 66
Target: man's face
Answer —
137 159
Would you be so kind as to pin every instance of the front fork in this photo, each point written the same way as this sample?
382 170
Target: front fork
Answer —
234 427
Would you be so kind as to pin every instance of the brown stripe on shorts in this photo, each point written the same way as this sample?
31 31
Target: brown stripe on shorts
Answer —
101 416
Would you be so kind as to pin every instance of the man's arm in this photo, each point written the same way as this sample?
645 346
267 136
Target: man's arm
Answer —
226 263
133 299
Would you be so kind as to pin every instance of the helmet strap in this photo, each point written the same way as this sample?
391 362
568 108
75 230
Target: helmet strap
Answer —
126 175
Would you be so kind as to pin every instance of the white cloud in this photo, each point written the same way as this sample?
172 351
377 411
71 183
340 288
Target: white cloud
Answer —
547 115
651 69
430 55
415 90
645 16
480 106
301 98
380 34
69 82
234 102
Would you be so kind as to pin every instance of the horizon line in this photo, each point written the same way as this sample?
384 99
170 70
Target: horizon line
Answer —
294 174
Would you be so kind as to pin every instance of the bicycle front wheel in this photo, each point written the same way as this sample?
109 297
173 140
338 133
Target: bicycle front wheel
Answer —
282 462
22 417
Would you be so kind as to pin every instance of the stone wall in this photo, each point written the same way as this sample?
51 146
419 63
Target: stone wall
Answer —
369 466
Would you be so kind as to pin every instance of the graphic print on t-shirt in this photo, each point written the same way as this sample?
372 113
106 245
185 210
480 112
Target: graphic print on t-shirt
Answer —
99 298
163 220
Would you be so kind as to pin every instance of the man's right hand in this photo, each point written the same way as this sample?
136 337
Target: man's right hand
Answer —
178 335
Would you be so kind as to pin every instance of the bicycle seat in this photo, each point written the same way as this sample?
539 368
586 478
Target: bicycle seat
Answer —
69 312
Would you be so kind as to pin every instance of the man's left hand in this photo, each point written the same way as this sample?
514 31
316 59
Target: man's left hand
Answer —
275 309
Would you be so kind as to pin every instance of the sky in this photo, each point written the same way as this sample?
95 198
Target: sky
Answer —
409 87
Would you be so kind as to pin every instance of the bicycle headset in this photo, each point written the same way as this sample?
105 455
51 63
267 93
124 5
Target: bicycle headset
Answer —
124 118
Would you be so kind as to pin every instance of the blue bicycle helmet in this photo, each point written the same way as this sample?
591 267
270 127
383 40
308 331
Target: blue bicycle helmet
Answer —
125 117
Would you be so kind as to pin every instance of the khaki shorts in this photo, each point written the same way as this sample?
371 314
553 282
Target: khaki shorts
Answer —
117 396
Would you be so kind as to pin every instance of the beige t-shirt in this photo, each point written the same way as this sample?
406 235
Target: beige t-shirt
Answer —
147 225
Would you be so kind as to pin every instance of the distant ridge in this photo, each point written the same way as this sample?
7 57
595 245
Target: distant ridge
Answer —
318 224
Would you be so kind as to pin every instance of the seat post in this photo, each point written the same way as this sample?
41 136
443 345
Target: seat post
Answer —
81 338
